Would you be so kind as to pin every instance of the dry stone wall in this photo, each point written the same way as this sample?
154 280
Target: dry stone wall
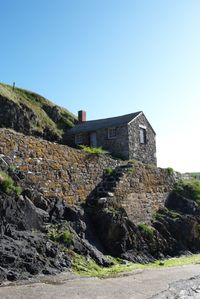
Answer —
55 170
58 170
142 190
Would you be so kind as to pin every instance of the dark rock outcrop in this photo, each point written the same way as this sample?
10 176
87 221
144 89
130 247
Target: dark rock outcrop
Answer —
26 248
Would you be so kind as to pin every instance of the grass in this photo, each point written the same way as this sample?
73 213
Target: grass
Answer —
64 237
108 171
8 185
40 106
85 267
131 170
93 150
189 189
147 230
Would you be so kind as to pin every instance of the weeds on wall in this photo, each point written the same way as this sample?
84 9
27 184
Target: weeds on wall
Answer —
93 150
108 171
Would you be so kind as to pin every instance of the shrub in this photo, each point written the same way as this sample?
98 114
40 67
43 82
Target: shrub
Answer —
93 150
170 170
147 230
8 185
194 176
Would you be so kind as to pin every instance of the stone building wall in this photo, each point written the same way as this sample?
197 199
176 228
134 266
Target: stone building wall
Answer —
143 152
70 174
116 146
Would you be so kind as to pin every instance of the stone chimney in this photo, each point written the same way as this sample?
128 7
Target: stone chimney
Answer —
81 116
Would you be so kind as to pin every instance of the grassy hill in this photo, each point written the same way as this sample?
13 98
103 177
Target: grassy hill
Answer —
30 113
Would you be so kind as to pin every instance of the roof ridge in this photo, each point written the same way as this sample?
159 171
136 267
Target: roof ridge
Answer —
107 118
92 125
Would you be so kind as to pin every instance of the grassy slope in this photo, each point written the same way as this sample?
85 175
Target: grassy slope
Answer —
36 103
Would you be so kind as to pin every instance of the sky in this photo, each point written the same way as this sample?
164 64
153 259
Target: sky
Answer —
109 58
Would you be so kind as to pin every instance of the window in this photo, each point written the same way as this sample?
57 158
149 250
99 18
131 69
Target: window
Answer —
143 135
78 139
112 133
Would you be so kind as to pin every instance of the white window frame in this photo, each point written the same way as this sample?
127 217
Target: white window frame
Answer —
112 133
78 138
143 134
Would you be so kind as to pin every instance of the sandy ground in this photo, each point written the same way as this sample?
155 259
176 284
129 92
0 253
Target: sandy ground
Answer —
177 282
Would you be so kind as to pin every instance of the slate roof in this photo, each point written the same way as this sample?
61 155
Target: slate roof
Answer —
93 125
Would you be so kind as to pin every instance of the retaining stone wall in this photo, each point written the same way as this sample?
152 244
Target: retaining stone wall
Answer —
54 169
58 170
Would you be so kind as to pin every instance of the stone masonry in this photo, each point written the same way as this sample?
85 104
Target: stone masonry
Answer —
145 153
126 144
58 170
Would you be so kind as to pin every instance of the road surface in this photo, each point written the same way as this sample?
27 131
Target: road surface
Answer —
176 282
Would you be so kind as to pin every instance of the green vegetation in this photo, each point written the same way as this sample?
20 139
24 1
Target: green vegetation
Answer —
108 171
64 237
43 109
87 267
93 150
147 230
8 185
195 176
166 213
170 170
131 170
11 168
189 189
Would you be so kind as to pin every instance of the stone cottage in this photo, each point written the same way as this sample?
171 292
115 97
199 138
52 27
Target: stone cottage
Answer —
128 136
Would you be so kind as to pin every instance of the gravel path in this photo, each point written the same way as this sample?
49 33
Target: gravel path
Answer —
172 283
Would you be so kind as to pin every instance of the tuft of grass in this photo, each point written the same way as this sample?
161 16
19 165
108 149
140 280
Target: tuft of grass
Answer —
93 150
108 171
87 267
64 237
131 170
147 230
8 185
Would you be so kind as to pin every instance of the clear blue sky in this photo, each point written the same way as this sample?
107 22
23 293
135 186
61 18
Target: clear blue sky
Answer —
112 57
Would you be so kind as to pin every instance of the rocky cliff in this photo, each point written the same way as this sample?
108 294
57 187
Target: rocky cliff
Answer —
32 114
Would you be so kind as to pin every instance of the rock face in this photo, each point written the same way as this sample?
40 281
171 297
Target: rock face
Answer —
32 114
26 247
172 232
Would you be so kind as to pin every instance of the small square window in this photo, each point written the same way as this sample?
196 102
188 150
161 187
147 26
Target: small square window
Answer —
78 139
112 133
143 136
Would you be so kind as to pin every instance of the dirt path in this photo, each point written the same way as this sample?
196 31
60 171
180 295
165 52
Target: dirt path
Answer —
139 284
